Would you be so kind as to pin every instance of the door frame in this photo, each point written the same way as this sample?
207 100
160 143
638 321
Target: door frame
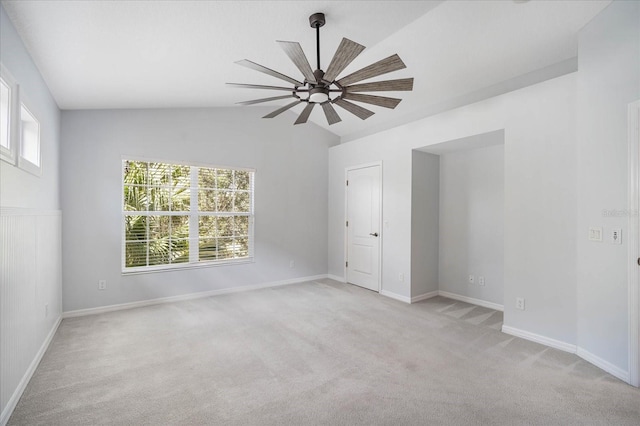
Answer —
346 213
633 245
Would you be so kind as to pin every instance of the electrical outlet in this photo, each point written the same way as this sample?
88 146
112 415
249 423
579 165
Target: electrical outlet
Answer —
471 279
401 277
292 264
46 310
520 303
102 285
480 280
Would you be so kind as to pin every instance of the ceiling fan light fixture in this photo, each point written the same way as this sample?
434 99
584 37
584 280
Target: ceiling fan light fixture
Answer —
318 95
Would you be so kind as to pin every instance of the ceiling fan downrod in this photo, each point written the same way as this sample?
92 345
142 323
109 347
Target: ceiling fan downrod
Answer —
316 21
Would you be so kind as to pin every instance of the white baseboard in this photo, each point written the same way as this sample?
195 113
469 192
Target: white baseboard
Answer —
425 296
336 278
395 296
471 300
543 340
13 401
183 297
605 365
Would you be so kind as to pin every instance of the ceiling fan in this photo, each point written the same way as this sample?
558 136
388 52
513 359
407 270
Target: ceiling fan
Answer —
319 86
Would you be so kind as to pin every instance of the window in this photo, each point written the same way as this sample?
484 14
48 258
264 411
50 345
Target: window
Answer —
8 97
178 215
19 127
30 141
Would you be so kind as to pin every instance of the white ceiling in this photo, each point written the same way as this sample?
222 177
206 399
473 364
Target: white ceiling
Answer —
160 54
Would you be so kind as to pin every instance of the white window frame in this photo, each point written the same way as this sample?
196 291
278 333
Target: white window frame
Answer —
24 163
193 215
10 154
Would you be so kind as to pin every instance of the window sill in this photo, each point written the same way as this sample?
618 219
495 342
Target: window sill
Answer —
183 266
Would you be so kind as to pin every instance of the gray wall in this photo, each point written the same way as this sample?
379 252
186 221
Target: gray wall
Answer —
471 223
540 201
290 196
30 258
425 188
608 80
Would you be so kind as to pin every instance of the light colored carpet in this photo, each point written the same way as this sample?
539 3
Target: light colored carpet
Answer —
309 354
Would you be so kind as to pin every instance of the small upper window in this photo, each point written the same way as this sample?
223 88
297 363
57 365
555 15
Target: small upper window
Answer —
30 141
8 100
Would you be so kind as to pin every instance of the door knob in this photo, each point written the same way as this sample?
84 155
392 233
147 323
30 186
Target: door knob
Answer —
373 234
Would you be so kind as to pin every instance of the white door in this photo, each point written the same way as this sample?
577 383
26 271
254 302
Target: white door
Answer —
363 227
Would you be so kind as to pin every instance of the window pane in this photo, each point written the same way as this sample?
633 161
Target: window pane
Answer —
224 178
241 225
207 201
242 203
135 198
207 226
135 172
159 227
206 178
159 198
241 247
30 147
135 228
242 180
179 226
181 175
225 248
208 249
180 199
225 226
159 251
179 251
5 102
159 174
135 254
224 201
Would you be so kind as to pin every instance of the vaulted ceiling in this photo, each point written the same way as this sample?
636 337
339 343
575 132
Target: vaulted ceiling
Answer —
161 54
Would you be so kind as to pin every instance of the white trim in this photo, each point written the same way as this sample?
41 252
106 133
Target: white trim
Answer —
346 213
395 296
13 401
425 296
634 243
22 162
604 365
183 297
336 278
537 338
471 300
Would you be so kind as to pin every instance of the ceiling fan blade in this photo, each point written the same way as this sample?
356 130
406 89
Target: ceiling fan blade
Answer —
247 63
281 110
347 51
373 100
390 64
330 113
296 54
306 112
260 86
354 109
257 101
403 84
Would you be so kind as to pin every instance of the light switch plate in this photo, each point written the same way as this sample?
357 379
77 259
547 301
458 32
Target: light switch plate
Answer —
595 234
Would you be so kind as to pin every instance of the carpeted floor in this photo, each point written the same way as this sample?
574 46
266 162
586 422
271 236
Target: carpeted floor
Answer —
309 354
